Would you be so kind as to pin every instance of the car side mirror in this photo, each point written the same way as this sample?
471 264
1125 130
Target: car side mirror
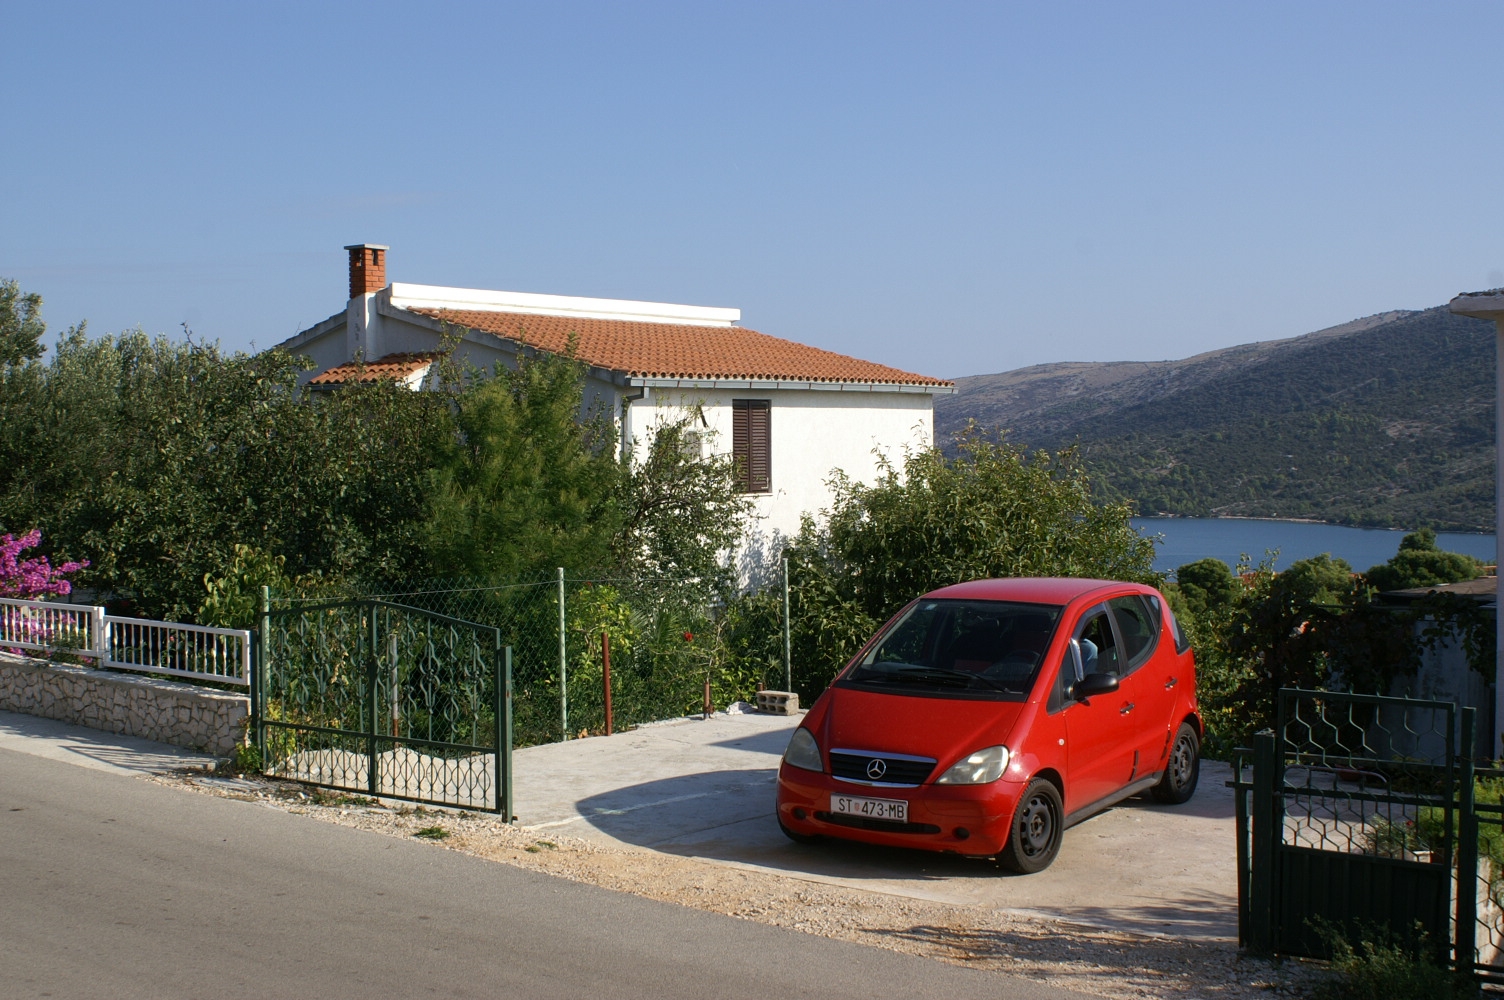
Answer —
1094 684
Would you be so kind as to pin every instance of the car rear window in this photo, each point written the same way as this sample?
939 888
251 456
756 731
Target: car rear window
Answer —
965 649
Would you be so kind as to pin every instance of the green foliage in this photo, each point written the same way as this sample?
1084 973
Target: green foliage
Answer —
1206 583
246 759
1420 563
233 598
21 325
1429 832
683 511
1315 625
154 459
1395 967
526 485
1225 681
990 510
1310 626
432 833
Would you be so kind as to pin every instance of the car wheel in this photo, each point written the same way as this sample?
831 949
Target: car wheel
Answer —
1038 826
797 837
1183 769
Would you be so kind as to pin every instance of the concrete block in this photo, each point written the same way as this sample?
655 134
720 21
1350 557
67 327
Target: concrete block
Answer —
778 702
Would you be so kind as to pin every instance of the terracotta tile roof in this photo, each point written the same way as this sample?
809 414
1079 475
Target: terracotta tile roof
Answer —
394 367
669 350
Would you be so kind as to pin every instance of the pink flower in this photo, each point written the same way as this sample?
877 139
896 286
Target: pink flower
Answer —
24 579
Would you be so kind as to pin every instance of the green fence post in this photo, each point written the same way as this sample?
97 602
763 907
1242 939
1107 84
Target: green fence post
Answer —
504 737
1465 948
373 781
563 666
788 658
1266 835
258 676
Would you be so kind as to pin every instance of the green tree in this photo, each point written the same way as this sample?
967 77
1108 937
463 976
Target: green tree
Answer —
21 325
153 459
683 511
990 510
1206 583
1421 563
528 484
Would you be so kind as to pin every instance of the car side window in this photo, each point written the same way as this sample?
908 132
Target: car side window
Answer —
1099 648
1139 627
1064 679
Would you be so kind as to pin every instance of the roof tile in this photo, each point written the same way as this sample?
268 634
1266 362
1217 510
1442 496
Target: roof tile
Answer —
670 350
393 367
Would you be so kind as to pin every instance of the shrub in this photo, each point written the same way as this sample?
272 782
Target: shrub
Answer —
1394 967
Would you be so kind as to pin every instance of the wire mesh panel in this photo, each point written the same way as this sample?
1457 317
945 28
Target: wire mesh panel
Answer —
1487 896
664 643
383 699
1368 775
1353 822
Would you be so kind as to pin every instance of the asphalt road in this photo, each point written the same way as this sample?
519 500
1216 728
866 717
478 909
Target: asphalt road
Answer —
116 887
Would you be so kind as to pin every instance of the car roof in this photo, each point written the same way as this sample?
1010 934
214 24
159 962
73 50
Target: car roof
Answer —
1031 590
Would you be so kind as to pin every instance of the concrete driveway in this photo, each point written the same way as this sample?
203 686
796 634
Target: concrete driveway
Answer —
704 789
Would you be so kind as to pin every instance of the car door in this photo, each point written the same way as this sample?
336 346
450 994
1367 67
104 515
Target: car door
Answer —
1153 688
1099 731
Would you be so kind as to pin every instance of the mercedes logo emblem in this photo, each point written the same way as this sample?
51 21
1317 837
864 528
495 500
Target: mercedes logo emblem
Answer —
876 768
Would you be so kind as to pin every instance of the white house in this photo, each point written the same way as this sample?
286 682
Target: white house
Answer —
790 413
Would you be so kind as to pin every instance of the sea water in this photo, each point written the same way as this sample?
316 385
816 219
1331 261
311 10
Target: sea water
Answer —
1186 539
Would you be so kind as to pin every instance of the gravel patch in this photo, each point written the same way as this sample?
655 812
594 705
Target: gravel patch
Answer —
1090 960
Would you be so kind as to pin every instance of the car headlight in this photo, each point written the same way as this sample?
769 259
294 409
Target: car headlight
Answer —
803 751
980 768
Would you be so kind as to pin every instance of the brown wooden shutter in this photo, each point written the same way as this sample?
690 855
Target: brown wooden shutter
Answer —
751 444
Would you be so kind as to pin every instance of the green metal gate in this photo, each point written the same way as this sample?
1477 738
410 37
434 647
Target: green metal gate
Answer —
1359 812
386 700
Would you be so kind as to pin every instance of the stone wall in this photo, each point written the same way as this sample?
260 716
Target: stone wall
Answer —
153 708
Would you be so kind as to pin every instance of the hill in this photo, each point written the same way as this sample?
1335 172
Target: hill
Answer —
1386 421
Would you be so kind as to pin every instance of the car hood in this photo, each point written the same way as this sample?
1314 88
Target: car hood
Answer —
942 728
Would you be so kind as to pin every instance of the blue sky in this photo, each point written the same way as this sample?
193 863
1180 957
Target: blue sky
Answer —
950 188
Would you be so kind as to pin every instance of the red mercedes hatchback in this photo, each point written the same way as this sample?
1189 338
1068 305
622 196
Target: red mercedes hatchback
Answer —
987 717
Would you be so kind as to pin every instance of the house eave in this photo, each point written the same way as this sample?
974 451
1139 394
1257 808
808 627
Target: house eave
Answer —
1479 305
297 340
771 384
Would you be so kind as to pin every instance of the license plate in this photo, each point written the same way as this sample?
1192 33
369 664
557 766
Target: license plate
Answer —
889 810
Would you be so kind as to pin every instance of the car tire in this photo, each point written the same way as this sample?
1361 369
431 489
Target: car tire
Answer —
1183 769
1038 828
799 838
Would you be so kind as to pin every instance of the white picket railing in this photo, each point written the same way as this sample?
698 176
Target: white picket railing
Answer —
193 651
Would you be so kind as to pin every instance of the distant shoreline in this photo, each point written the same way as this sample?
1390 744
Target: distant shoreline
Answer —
1292 520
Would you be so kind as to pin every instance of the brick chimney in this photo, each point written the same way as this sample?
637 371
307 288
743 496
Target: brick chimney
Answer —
367 268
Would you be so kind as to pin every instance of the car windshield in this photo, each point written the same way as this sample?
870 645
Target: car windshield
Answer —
968 649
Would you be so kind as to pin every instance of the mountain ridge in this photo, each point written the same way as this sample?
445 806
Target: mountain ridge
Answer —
1386 420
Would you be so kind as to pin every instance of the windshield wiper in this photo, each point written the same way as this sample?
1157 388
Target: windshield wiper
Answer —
918 671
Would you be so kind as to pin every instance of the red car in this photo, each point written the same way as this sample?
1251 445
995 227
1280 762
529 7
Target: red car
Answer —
987 717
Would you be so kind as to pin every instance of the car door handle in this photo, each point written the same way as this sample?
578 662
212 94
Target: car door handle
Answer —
1171 683
1126 709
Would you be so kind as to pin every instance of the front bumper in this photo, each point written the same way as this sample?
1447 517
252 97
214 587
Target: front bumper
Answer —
958 819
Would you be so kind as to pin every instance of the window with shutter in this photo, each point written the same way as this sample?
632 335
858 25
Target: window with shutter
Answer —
751 444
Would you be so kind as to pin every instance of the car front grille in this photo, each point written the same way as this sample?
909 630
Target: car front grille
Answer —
896 769
868 823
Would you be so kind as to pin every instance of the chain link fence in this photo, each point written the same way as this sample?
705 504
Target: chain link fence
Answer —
668 643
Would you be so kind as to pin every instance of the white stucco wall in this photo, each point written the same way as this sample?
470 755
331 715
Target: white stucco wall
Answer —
813 432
